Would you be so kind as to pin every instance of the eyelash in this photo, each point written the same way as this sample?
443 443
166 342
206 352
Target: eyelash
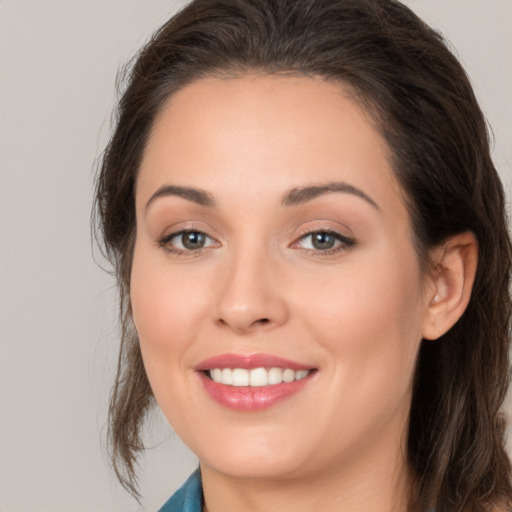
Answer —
344 243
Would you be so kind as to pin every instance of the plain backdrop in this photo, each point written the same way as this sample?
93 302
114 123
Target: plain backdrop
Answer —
58 62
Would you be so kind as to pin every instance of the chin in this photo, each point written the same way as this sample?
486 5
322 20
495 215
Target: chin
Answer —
260 458
257 468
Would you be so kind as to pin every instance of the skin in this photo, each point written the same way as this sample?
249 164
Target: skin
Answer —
356 314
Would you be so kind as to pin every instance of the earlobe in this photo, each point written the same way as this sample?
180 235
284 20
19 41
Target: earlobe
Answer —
455 262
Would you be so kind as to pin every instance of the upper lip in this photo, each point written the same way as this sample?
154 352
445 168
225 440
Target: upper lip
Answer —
250 362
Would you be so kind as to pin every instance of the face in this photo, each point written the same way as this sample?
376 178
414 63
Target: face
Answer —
275 287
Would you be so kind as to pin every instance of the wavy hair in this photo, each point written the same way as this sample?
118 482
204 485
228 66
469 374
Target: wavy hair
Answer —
402 73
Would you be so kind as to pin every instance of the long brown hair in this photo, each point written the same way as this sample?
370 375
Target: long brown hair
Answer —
403 74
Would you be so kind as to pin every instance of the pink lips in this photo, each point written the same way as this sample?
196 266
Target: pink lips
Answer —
249 362
247 398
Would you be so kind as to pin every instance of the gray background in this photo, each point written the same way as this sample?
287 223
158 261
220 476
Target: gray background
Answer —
58 61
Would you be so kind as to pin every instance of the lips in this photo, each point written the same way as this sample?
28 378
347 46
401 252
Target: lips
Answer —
249 362
252 383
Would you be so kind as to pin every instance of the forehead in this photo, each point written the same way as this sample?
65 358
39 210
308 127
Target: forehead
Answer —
274 131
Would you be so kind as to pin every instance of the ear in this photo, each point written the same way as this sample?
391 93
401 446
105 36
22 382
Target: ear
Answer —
451 282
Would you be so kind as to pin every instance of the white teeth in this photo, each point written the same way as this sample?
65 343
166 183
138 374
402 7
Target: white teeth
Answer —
240 377
288 375
275 376
227 376
217 375
301 374
256 377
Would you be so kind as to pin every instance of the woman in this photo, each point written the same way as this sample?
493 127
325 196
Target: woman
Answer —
310 242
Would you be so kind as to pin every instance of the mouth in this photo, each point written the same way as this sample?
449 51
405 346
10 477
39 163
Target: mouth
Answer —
254 382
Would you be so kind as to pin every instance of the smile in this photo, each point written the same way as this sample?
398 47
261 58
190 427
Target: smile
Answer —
253 382
256 377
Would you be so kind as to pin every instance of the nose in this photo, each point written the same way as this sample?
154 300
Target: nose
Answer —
251 294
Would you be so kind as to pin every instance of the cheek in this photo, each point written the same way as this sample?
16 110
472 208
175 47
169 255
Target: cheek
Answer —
368 316
167 305
368 323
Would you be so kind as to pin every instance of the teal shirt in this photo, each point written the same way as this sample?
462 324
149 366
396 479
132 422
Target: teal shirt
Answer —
188 498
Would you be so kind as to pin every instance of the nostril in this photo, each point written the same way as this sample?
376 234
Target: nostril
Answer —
241 326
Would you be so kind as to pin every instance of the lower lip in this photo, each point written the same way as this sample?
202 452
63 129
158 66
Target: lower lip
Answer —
248 398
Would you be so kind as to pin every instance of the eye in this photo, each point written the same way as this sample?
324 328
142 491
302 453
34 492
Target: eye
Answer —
187 241
325 241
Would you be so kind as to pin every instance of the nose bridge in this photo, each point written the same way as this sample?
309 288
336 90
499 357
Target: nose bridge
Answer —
249 295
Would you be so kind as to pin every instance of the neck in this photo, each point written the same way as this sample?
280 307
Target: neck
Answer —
380 482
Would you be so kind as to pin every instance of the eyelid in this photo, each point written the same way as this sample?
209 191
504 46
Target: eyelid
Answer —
176 228
175 234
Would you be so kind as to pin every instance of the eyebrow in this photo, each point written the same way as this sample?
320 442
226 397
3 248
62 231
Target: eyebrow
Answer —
293 197
302 195
190 194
